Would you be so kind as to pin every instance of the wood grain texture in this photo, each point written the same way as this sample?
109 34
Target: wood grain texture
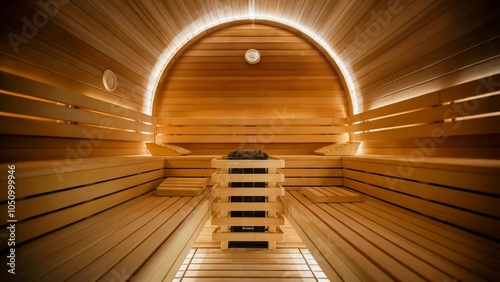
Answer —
391 50
49 199
211 83
290 264
331 230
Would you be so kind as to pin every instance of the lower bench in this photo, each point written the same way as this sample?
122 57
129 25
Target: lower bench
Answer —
179 186
145 239
375 241
432 219
97 219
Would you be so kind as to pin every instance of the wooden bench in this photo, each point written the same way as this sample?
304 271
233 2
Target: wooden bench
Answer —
100 219
330 195
278 134
434 220
338 149
299 171
311 170
180 186
166 150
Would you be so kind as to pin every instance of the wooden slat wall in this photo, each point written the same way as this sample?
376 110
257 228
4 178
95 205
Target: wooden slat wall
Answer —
429 45
392 50
460 121
40 121
69 44
299 171
456 191
211 95
55 193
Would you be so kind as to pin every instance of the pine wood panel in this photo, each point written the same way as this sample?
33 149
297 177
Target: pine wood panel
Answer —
401 233
300 170
458 121
50 199
330 195
466 208
80 59
423 59
30 148
251 265
44 204
244 130
391 50
222 85
136 236
278 119
32 109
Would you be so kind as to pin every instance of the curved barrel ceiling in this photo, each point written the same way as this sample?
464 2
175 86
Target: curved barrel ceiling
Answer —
387 50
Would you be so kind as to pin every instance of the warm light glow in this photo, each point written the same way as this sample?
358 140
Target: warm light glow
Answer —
190 32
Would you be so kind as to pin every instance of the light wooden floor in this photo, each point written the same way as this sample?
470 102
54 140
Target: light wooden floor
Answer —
290 261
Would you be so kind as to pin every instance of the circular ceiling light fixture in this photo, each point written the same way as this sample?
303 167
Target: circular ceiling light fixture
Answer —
109 80
252 56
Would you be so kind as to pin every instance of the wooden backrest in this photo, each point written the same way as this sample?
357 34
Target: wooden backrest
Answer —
52 194
211 101
299 171
460 121
311 170
460 192
35 116
268 134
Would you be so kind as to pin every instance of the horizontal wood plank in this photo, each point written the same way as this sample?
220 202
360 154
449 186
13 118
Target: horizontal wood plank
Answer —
330 195
250 130
268 138
18 126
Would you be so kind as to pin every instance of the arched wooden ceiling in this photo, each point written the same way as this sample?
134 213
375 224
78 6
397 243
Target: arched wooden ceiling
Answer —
212 79
387 50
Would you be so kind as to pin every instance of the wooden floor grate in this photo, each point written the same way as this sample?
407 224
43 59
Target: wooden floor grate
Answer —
250 265
290 261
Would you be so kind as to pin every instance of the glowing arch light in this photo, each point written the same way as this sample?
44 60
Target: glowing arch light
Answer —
182 39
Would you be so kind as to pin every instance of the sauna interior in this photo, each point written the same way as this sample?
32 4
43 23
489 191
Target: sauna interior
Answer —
394 102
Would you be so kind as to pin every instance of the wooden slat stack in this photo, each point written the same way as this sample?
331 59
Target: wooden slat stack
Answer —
338 149
222 205
40 121
179 186
330 195
167 150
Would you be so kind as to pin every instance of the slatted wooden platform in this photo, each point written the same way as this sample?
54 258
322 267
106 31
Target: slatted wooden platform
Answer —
99 218
311 170
166 150
338 149
179 186
53 194
434 220
300 170
373 241
145 238
250 265
330 195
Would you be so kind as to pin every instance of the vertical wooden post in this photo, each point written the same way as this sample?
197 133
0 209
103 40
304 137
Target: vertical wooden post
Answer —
224 245
271 213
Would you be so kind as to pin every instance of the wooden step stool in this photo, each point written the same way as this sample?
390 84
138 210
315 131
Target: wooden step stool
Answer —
176 186
330 195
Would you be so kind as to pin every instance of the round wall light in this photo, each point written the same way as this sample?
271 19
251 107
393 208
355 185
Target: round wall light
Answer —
109 80
252 56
